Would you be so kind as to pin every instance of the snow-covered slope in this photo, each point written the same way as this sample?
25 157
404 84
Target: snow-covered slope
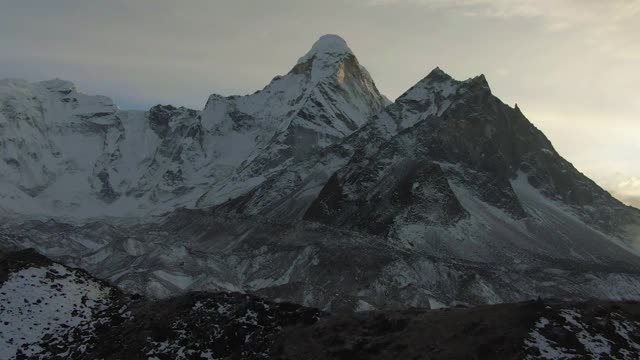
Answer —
50 311
326 96
55 144
79 156
42 300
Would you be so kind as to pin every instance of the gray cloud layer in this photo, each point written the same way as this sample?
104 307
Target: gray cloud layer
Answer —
571 65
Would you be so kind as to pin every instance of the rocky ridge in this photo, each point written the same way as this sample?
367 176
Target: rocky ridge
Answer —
105 323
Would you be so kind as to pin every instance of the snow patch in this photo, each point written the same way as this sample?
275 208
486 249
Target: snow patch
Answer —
38 301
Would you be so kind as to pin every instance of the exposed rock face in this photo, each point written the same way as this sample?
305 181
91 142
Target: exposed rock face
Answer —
461 125
414 190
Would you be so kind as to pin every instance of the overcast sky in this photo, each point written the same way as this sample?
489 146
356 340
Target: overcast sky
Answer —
573 66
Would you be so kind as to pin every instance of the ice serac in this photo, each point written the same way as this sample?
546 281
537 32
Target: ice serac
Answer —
325 97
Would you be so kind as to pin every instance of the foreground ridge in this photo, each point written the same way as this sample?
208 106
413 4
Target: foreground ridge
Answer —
233 325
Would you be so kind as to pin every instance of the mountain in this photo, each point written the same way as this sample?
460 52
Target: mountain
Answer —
326 96
474 168
53 311
313 190
79 156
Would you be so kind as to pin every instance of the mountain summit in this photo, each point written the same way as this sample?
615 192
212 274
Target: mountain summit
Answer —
325 97
327 46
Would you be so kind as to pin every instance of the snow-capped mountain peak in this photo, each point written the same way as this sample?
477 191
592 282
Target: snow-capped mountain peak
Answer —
440 82
325 97
327 46
436 82
331 60
437 74
80 154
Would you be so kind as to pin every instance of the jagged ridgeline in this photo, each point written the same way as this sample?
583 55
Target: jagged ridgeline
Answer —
66 153
315 190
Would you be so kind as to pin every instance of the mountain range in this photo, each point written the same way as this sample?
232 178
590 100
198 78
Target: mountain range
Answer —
316 190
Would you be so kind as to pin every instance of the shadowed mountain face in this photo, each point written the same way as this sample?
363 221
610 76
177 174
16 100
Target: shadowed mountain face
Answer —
52 311
313 190
464 136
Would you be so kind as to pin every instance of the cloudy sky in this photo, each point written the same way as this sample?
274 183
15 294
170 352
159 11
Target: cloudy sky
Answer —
573 66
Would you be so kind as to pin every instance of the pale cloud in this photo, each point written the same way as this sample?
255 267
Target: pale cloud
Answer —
606 24
563 12
626 188
633 201
602 146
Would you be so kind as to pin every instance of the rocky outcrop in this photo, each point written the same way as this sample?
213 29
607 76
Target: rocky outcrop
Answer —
63 312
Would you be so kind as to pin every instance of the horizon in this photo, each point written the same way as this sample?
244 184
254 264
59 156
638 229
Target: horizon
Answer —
572 73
